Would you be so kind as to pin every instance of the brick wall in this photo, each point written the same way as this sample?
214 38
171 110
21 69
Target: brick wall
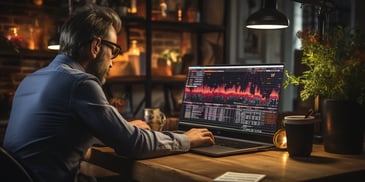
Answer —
24 33
13 68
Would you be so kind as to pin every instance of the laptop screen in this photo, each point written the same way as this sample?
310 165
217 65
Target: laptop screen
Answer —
237 98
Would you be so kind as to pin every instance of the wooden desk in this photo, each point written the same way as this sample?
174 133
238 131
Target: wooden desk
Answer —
277 165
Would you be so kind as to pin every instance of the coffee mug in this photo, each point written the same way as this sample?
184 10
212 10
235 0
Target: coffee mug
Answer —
299 135
155 118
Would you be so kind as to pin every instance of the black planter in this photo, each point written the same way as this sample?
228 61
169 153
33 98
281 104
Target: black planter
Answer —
343 127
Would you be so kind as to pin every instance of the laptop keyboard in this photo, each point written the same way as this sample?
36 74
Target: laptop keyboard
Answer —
234 143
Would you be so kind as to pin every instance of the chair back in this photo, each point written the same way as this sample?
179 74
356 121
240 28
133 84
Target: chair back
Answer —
12 169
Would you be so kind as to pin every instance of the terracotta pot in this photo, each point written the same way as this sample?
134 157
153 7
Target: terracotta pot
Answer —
343 127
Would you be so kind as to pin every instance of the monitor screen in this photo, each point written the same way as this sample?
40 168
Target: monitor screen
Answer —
241 98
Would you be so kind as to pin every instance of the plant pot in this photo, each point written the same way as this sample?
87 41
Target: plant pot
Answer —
176 68
343 127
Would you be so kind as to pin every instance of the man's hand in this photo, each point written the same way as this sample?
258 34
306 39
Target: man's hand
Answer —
140 124
200 137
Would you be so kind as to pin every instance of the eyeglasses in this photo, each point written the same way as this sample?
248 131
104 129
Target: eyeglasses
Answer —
116 49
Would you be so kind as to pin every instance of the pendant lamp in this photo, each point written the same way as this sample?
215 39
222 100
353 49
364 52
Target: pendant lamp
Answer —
268 17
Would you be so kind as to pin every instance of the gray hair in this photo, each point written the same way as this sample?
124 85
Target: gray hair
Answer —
83 25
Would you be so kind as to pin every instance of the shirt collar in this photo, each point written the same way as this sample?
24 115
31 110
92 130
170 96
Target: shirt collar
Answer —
63 59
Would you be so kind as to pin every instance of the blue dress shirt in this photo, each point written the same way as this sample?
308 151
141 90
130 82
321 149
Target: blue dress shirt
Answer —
59 111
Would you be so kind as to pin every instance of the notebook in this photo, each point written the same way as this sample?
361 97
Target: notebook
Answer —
238 103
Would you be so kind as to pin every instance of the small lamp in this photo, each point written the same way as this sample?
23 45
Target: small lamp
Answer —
268 17
53 43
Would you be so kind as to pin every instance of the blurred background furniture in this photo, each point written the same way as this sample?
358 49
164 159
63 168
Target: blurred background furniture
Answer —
11 169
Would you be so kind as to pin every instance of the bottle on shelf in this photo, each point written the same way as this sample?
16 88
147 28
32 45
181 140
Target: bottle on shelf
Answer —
133 9
163 8
138 64
179 12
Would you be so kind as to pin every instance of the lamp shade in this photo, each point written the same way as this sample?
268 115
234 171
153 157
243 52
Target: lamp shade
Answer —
268 17
53 43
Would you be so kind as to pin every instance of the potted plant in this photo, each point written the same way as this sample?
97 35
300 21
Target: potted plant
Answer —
173 56
119 101
335 73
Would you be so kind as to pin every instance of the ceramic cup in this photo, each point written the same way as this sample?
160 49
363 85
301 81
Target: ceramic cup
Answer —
155 118
299 135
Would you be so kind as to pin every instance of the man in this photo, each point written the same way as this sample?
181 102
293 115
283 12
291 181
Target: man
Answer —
59 110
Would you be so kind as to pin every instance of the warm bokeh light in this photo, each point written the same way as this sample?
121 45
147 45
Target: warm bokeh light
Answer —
279 139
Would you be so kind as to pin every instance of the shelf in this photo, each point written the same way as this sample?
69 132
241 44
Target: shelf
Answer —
167 82
26 8
133 21
175 79
139 22
29 54
186 27
198 33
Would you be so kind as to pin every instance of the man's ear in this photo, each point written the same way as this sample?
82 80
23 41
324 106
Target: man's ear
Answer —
95 47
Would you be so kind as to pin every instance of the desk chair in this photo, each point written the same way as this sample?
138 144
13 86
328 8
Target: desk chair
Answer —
12 169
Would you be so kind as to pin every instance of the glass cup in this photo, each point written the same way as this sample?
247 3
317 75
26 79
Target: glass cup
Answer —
299 134
155 118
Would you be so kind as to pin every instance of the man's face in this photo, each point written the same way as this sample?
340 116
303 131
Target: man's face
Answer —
101 65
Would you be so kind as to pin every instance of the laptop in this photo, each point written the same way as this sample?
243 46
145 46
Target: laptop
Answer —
238 103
